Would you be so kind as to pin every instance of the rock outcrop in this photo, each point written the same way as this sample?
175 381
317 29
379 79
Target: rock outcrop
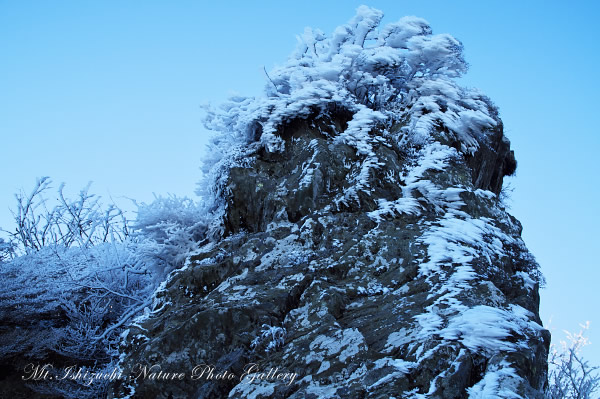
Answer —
360 248
343 300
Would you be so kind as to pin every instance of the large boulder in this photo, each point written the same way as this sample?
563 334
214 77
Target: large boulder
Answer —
418 285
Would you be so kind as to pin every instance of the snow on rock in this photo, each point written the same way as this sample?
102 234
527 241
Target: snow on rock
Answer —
355 211
346 343
500 382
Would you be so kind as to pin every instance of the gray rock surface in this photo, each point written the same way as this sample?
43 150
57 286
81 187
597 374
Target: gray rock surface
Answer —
352 297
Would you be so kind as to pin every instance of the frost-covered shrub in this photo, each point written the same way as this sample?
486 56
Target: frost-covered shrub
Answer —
84 271
570 376
358 67
82 221
91 288
169 228
270 338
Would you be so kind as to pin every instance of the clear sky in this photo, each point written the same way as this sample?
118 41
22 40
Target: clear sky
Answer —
111 91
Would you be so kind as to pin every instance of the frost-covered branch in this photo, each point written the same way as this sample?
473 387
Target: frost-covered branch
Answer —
130 313
80 222
570 376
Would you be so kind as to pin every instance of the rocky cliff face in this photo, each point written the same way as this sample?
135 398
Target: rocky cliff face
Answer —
359 247
419 287
352 244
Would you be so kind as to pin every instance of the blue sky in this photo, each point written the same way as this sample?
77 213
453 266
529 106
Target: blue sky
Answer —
111 92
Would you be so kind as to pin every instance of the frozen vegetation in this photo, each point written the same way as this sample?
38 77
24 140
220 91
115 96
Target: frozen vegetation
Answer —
364 184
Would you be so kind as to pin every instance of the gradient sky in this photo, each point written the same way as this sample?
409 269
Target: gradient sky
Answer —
111 91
